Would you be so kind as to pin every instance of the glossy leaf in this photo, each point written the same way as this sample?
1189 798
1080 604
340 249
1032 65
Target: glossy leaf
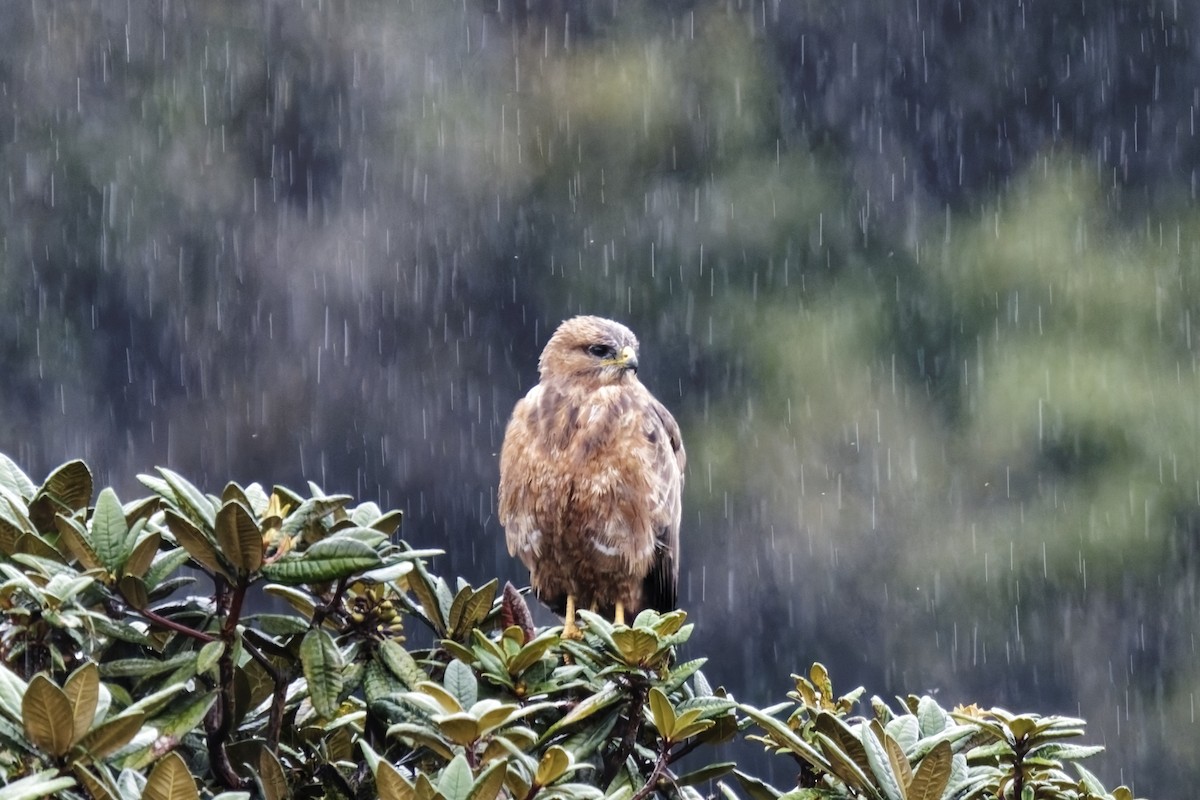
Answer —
111 735
932 774
239 537
48 717
170 780
47 783
327 560
82 689
109 533
323 669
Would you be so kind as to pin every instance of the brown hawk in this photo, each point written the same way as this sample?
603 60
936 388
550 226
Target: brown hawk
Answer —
591 477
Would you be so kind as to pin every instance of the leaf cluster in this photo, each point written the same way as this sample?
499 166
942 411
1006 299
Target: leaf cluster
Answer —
131 665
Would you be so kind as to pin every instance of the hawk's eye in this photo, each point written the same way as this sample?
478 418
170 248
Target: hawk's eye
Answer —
601 350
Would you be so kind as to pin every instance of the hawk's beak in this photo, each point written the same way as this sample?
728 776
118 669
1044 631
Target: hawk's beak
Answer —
627 359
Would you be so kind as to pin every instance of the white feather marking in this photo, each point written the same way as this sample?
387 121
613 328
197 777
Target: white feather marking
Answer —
606 549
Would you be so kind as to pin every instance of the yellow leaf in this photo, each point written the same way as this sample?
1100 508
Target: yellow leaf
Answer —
48 717
270 772
111 735
932 775
554 763
170 780
83 693
239 536
391 785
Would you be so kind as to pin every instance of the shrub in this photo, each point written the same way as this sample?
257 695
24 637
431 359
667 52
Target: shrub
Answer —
133 663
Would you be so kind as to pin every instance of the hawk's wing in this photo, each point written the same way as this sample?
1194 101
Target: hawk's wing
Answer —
518 457
660 588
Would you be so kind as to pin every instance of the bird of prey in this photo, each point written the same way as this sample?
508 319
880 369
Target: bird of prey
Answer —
591 477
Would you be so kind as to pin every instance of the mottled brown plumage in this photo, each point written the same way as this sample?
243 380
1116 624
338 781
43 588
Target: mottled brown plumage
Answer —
591 477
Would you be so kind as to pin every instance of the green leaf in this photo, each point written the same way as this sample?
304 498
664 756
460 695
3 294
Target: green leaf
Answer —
12 689
470 608
422 585
186 718
170 780
456 779
328 559
48 717
41 784
323 669
608 694
421 736
15 480
460 681
209 654
239 537
312 511
710 772
873 740
190 500
532 652
489 783
758 790
401 663
785 738
109 532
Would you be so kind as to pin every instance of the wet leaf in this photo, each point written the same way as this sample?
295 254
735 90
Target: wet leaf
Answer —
48 718
323 666
328 559
239 537
272 777
67 489
198 545
170 780
489 783
74 537
47 783
109 533
470 607
456 779
932 775
460 682
552 766
142 555
391 785
82 689
111 735
190 500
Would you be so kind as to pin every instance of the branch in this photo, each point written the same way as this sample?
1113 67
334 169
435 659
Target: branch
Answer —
171 624
278 695
660 766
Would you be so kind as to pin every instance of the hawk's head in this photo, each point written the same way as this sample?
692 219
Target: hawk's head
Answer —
590 347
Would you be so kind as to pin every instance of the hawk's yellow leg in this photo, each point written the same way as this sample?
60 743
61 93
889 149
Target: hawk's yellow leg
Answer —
570 630
619 614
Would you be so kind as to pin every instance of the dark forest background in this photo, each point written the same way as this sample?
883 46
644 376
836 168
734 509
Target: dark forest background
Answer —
918 279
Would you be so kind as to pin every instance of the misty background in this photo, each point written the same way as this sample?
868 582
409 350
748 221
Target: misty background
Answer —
919 281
